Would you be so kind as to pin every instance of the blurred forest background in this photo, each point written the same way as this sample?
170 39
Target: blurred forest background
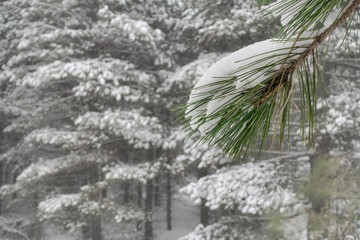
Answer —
91 149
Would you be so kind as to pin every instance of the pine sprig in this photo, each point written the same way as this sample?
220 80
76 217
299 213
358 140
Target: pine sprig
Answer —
244 118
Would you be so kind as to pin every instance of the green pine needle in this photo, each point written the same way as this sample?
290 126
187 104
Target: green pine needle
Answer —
245 121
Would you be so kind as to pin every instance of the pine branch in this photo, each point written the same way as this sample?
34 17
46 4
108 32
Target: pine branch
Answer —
234 103
286 71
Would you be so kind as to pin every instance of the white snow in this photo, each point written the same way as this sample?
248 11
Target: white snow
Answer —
141 172
132 125
50 206
214 105
241 64
249 188
185 218
291 11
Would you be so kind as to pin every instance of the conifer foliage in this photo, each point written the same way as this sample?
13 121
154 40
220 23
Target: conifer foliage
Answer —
235 101
79 99
89 141
86 103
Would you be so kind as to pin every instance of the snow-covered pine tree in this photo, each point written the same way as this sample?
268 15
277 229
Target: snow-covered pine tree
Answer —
79 76
80 81
87 99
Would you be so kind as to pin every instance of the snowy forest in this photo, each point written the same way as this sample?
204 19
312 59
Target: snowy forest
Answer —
93 142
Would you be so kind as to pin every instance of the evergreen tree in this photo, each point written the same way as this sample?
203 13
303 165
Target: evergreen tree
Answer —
80 103
87 98
88 88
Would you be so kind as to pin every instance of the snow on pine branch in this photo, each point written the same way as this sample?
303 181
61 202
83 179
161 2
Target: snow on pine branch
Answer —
62 138
213 231
343 109
49 207
141 172
200 154
71 209
120 213
100 72
94 88
243 69
185 77
37 36
125 214
131 125
234 102
110 78
250 22
174 140
193 153
123 29
17 62
44 168
252 188
134 30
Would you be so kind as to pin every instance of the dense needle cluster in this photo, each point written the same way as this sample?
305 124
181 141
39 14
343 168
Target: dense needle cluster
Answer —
235 102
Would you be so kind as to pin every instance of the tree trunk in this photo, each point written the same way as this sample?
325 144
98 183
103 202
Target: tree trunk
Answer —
148 210
37 231
204 210
322 150
16 173
95 228
85 230
204 213
318 201
168 200
157 195
126 188
1 183
139 224
139 193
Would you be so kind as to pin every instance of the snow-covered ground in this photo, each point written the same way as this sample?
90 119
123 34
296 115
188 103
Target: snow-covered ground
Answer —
184 219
